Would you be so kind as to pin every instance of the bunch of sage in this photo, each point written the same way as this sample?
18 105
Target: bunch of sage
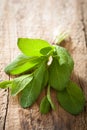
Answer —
34 74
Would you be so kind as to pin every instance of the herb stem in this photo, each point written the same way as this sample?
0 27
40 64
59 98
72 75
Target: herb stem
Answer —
49 98
60 38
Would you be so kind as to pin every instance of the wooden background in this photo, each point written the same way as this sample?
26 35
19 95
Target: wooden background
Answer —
42 19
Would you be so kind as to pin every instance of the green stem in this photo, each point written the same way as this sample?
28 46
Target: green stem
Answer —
61 38
49 98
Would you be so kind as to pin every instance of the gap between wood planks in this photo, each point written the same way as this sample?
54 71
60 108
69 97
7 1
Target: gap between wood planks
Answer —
83 22
6 109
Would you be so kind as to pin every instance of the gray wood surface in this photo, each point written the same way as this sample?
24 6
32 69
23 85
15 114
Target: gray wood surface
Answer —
42 19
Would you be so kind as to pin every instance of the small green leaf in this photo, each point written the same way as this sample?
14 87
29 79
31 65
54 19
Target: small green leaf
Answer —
34 88
5 84
49 98
58 75
32 47
20 83
45 105
22 64
46 50
72 98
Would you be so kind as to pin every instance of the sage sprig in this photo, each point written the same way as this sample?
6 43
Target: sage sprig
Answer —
34 74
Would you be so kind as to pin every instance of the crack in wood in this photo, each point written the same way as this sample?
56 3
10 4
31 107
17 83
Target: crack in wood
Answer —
31 120
84 114
55 123
6 111
83 22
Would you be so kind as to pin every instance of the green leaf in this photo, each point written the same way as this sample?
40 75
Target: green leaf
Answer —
20 83
45 79
34 88
46 50
58 75
22 64
60 69
64 57
72 98
32 47
5 84
49 98
45 105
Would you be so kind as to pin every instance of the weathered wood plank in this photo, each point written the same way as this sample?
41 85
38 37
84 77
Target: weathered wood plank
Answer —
43 19
4 59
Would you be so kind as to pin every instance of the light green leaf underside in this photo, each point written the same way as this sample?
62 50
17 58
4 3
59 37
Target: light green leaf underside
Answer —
20 83
5 84
22 64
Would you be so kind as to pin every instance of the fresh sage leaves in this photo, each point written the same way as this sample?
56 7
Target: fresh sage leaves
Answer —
45 106
34 88
32 47
22 64
5 84
35 72
72 98
20 83
59 75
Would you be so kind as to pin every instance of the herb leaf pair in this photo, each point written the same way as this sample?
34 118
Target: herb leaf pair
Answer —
33 51
34 74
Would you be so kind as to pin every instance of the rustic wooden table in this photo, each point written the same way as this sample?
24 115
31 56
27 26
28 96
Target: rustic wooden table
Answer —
42 19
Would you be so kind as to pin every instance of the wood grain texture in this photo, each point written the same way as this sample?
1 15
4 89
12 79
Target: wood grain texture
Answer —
42 19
